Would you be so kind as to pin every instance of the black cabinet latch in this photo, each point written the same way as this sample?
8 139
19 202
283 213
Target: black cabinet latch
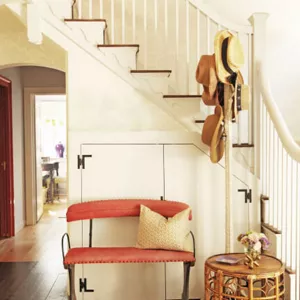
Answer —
81 161
83 286
248 195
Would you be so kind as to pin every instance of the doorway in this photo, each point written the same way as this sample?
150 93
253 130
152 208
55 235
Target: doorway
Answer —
51 160
7 221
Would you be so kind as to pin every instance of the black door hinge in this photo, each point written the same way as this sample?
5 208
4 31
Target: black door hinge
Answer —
248 195
83 286
81 161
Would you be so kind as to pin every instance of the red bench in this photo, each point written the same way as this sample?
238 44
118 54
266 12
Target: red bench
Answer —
115 209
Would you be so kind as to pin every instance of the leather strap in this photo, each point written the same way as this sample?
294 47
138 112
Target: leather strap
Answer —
224 56
239 97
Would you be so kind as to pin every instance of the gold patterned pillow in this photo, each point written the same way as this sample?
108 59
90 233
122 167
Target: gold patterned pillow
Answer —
157 232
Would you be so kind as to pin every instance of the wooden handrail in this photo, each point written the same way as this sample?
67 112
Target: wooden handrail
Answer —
288 142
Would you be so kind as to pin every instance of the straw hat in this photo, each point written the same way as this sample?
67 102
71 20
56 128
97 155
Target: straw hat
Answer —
207 76
229 55
212 134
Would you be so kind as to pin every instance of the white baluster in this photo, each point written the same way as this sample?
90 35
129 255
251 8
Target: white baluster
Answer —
239 122
79 3
90 9
166 18
177 42
101 9
287 213
297 234
155 26
112 23
250 82
133 22
271 170
187 15
145 35
155 16
268 162
198 45
276 179
166 56
209 110
279 173
265 162
177 28
292 217
123 22
282 200
275 170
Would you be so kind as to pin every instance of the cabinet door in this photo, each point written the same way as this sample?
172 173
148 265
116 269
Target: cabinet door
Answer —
181 184
190 177
121 171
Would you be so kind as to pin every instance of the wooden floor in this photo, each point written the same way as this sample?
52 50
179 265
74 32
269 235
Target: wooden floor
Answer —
31 262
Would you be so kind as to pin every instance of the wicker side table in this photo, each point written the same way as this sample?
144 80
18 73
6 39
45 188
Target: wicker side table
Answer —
236 282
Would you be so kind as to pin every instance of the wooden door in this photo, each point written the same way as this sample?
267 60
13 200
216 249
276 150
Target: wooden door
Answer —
6 161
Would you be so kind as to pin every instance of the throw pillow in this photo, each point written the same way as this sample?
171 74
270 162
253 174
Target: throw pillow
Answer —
157 232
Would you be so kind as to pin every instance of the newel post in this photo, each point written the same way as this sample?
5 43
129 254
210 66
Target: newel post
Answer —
258 21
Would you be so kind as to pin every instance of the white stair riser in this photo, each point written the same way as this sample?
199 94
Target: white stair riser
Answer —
186 108
157 81
126 56
93 32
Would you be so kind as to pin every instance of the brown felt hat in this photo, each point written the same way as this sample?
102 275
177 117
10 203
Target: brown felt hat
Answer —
207 76
229 55
212 134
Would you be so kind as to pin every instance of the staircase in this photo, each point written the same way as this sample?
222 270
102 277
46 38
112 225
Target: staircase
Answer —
160 43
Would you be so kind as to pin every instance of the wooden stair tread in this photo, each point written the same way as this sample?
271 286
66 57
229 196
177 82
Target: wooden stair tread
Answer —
182 96
271 228
150 71
118 45
243 145
85 20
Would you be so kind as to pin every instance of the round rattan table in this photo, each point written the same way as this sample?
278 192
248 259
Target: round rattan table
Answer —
236 282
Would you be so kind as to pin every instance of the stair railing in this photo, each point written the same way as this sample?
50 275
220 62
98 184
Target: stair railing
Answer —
280 182
172 34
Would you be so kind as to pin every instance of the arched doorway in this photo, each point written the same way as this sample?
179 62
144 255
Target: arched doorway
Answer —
28 83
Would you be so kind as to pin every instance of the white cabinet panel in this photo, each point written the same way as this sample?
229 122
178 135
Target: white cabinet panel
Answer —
121 171
190 177
181 179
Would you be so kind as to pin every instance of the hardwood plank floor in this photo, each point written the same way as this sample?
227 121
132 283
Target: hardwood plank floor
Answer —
31 262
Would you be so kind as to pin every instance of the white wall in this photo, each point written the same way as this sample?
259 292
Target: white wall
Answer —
283 42
18 144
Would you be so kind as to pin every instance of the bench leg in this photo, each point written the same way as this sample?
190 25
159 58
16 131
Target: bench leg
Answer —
186 269
71 269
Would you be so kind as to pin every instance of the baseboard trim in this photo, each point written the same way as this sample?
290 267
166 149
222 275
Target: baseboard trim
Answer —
19 226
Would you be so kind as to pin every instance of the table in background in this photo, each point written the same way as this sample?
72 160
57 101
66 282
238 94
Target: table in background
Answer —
233 282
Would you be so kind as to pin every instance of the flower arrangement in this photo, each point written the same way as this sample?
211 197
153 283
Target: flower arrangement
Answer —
253 242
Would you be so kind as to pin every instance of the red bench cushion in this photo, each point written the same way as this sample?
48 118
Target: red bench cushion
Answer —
122 208
124 255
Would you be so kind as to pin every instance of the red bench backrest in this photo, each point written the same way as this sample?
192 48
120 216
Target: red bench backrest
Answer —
122 208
